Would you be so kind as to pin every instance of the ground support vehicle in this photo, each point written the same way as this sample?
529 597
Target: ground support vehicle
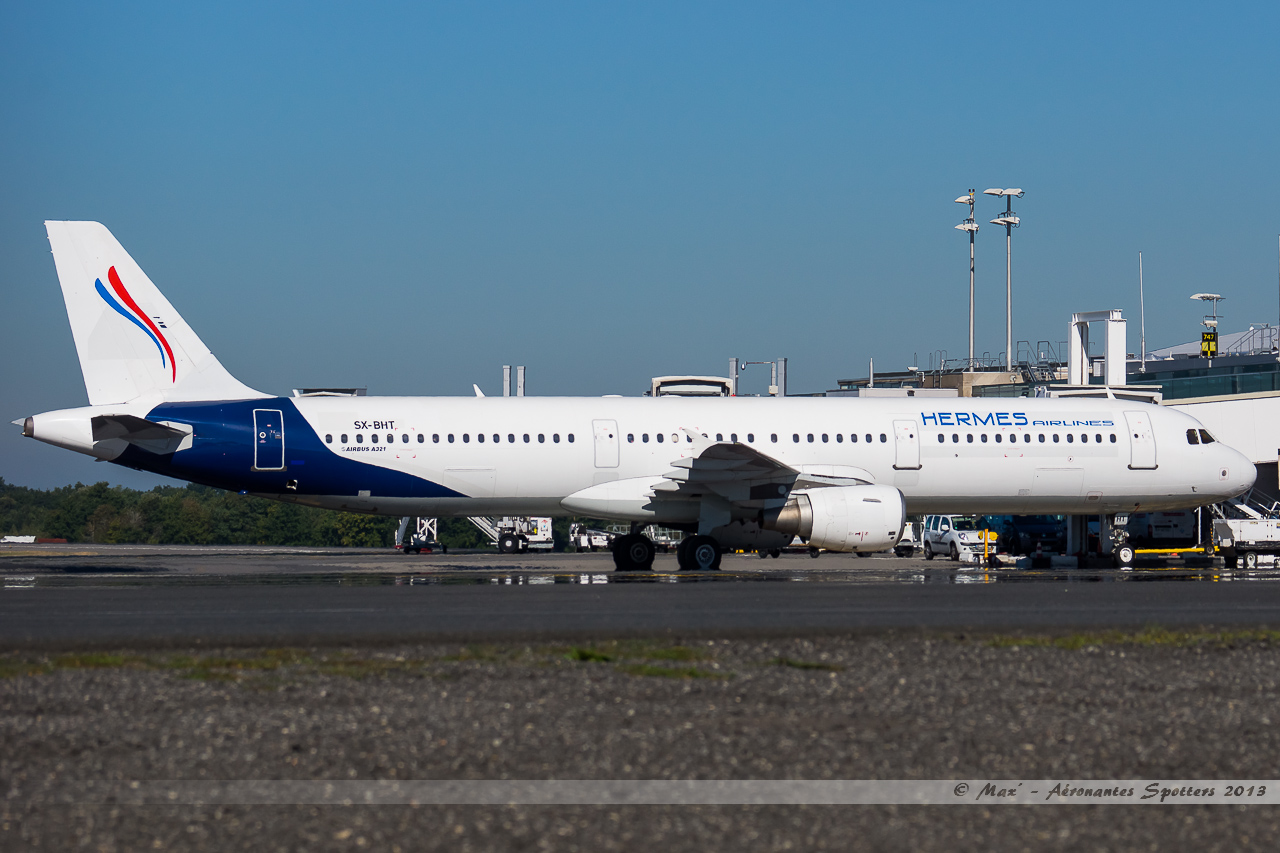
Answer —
910 541
416 535
583 538
1242 540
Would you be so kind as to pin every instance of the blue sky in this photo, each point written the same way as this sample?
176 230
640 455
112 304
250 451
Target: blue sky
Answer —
407 197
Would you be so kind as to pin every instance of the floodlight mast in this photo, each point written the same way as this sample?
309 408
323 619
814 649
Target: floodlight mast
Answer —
1009 221
972 227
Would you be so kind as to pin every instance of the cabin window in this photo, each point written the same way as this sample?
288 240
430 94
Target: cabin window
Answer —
466 438
795 437
998 438
658 436
839 438
422 438
1055 438
824 438
1193 436
555 437
773 437
404 438
883 438
1042 438
1207 437
751 437
374 438
733 436
687 438
359 438
984 438
631 438
645 438
496 438
526 438
435 438
343 438
853 438
480 437
328 439
955 438
1113 438
1098 438
571 438
868 438
941 438
391 439
1070 438
511 439
542 439
1084 438
969 436
1026 439
810 437
451 438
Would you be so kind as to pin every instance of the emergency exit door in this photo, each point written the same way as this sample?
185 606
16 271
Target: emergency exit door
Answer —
268 440
906 445
606 434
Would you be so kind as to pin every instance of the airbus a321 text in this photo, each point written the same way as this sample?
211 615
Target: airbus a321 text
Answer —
735 472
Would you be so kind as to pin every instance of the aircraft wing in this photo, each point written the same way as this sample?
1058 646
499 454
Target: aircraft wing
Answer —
736 472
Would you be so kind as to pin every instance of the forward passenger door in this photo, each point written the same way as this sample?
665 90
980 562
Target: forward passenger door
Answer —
906 439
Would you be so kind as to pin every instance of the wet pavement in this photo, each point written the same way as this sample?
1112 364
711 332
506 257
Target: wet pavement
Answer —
70 595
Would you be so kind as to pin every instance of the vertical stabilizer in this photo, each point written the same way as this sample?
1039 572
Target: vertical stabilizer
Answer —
132 344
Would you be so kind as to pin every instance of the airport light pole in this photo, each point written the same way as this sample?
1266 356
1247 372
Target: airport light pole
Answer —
1010 221
972 227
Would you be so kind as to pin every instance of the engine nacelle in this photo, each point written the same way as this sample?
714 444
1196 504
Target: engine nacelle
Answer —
844 518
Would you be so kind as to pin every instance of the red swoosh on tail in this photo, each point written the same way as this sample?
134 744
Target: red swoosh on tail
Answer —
118 286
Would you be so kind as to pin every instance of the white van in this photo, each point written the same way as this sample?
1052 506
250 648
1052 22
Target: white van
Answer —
956 536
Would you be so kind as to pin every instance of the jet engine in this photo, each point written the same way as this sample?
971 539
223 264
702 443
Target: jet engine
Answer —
844 518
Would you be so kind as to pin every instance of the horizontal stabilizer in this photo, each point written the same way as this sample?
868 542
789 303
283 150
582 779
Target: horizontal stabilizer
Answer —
153 436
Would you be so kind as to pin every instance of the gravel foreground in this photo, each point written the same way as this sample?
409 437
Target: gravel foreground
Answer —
1153 705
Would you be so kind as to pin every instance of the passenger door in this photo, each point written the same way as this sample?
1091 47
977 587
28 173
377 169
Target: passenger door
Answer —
606 439
1142 440
906 446
268 440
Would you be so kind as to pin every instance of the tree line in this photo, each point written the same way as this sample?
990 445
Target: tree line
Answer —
197 515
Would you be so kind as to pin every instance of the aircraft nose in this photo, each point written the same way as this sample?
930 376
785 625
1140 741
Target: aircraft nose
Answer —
1236 474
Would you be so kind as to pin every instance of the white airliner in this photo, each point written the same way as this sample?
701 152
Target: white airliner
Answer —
733 472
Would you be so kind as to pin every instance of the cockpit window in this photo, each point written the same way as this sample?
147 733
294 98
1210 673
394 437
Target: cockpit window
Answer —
1192 437
1206 437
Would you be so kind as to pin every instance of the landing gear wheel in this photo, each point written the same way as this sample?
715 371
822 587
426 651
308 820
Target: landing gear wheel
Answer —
814 552
633 553
762 554
508 543
698 554
1123 557
928 551
1251 560
955 553
775 553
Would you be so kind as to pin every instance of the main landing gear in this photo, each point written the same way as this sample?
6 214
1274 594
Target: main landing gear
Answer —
633 553
698 554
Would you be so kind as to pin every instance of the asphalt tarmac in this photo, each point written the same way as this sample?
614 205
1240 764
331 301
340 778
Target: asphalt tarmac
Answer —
77 596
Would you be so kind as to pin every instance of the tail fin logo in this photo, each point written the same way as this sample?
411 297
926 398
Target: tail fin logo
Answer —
135 315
